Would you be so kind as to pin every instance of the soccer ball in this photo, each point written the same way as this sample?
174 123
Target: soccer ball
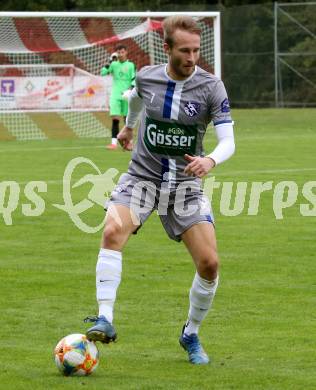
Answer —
76 355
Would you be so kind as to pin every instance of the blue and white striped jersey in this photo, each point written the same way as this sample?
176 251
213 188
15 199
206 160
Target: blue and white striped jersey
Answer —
173 123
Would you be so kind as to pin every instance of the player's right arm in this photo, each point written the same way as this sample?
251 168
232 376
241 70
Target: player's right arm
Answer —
135 107
106 69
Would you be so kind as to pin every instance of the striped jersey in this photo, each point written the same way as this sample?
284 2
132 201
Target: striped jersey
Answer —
174 121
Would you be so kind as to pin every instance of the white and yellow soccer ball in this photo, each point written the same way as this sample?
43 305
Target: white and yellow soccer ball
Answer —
75 355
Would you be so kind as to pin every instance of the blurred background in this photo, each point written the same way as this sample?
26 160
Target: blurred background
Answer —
268 48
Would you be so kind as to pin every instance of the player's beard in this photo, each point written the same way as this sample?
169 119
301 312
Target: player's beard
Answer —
179 68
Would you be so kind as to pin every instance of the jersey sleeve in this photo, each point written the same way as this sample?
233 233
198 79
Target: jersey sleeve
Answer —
135 107
133 74
138 84
139 79
220 108
104 71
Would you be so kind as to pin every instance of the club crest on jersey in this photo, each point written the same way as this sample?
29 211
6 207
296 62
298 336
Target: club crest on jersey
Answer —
225 105
192 108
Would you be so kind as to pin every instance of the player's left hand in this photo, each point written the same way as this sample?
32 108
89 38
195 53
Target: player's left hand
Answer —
198 166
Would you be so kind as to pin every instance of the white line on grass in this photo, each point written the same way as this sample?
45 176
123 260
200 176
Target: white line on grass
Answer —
47 149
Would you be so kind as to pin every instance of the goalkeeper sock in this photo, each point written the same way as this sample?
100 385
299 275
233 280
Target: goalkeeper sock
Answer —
115 130
108 278
201 297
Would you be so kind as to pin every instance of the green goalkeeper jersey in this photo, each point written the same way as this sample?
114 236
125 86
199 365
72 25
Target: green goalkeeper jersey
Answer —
123 76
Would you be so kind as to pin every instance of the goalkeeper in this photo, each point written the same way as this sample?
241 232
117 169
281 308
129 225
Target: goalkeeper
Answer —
123 73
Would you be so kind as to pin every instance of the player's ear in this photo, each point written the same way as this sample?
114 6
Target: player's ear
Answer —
166 48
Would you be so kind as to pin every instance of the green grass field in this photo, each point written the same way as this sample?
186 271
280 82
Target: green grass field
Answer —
261 332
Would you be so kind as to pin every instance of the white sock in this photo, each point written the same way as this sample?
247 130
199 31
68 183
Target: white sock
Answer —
201 297
114 141
108 278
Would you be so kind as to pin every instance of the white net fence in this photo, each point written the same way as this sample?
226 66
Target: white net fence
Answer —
52 64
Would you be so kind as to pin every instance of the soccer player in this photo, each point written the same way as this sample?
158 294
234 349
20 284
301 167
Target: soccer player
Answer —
123 73
177 101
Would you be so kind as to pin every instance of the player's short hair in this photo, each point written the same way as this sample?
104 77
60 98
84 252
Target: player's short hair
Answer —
120 46
179 22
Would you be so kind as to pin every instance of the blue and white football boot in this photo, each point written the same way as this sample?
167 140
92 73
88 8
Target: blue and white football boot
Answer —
192 345
102 331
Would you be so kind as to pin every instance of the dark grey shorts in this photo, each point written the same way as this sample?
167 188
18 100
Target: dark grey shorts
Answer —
178 209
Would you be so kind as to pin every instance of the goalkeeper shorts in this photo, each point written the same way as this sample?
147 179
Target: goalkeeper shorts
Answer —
118 106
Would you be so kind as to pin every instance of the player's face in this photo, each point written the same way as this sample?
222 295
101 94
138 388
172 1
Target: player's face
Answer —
183 55
122 55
